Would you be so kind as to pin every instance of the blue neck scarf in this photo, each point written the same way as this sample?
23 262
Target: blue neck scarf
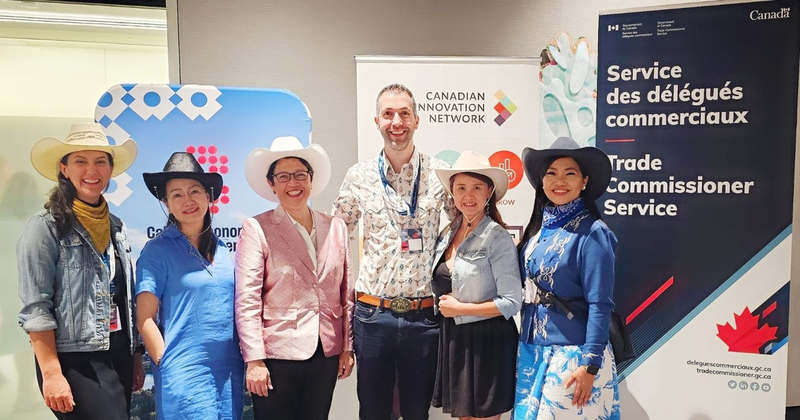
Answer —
554 216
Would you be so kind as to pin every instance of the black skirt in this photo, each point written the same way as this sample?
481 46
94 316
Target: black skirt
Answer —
477 364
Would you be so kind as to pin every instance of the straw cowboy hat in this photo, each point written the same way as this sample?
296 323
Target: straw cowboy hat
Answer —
259 160
471 161
48 152
182 165
593 160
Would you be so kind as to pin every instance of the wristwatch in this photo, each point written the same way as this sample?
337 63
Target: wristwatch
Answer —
592 369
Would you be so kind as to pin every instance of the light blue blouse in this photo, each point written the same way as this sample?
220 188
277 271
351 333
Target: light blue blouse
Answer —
485 268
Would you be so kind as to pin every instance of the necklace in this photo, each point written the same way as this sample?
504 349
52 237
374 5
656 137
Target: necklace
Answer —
195 252
469 224
196 234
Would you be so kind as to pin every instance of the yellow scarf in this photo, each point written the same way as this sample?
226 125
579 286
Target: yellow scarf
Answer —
95 220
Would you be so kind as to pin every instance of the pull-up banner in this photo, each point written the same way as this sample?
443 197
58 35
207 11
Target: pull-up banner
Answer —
486 104
697 110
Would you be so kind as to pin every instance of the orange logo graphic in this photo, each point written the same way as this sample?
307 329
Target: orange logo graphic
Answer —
511 163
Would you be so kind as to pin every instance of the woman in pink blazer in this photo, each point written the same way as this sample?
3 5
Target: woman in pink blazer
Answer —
294 293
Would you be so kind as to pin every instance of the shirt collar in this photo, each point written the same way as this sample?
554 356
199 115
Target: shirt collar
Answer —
413 161
297 224
172 231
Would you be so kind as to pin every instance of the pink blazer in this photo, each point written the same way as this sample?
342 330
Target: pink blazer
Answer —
283 307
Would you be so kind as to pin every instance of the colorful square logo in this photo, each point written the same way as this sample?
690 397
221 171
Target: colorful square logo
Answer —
505 108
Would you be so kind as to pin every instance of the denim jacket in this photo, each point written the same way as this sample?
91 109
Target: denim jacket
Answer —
486 268
64 284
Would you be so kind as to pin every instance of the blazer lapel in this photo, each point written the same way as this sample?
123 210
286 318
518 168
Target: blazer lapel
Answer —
323 244
285 228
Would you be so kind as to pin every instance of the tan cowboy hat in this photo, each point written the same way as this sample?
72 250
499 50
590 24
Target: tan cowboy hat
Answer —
472 161
259 160
47 152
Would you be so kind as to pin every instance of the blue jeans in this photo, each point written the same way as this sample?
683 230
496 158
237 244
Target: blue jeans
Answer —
387 343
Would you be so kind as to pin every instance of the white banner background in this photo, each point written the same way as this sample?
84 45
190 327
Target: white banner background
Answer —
475 83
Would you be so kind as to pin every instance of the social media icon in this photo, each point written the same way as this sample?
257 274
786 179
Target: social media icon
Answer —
754 386
743 385
732 384
766 387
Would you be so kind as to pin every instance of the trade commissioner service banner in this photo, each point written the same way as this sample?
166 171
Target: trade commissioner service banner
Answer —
485 104
697 110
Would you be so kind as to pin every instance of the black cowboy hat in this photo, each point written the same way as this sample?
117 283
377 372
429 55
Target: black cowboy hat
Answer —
182 165
593 160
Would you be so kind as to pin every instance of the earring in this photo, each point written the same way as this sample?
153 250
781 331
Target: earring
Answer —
584 187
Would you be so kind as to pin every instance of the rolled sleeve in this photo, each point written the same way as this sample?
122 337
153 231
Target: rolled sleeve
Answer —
345 206
37 263
597 278
250 272
505 268
151 270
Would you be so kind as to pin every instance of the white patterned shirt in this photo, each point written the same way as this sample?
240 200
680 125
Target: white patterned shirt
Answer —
385 269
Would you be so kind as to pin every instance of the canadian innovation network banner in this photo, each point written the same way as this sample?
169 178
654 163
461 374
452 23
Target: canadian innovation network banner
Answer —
485 104
697 108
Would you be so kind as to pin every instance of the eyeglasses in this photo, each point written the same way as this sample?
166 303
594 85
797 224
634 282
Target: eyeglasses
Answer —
283 177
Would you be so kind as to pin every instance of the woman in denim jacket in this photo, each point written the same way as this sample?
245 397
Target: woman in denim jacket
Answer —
76 283
476 277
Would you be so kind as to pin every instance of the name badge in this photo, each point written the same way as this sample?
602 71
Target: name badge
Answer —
411 240
115 318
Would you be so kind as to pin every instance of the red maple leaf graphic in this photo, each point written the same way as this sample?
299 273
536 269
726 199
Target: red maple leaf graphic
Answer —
747 337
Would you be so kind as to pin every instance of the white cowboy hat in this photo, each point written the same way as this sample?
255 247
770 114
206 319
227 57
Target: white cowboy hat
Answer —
259 160
471 161
47 152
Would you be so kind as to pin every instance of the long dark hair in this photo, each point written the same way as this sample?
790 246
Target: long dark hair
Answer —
492 210
61 197
208 241
541 200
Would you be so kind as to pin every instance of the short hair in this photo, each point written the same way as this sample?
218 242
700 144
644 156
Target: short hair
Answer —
395 88
271 170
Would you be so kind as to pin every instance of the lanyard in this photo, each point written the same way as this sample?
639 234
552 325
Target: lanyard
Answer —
390 190
110 262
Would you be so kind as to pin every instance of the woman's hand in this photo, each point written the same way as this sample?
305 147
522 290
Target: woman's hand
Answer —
583 381
57 393
258 380
138 372
450 306
346 363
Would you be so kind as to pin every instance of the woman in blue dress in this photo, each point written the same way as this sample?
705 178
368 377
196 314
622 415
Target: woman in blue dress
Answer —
565 367
185 300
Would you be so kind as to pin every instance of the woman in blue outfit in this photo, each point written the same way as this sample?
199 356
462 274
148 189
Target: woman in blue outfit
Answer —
565 367
476 278
186 278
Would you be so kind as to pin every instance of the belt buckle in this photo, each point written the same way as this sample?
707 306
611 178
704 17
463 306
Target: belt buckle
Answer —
400 305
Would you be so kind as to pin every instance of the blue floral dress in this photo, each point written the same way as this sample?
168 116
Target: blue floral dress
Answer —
573 257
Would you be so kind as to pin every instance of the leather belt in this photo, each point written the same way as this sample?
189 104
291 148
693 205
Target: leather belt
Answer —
399 305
